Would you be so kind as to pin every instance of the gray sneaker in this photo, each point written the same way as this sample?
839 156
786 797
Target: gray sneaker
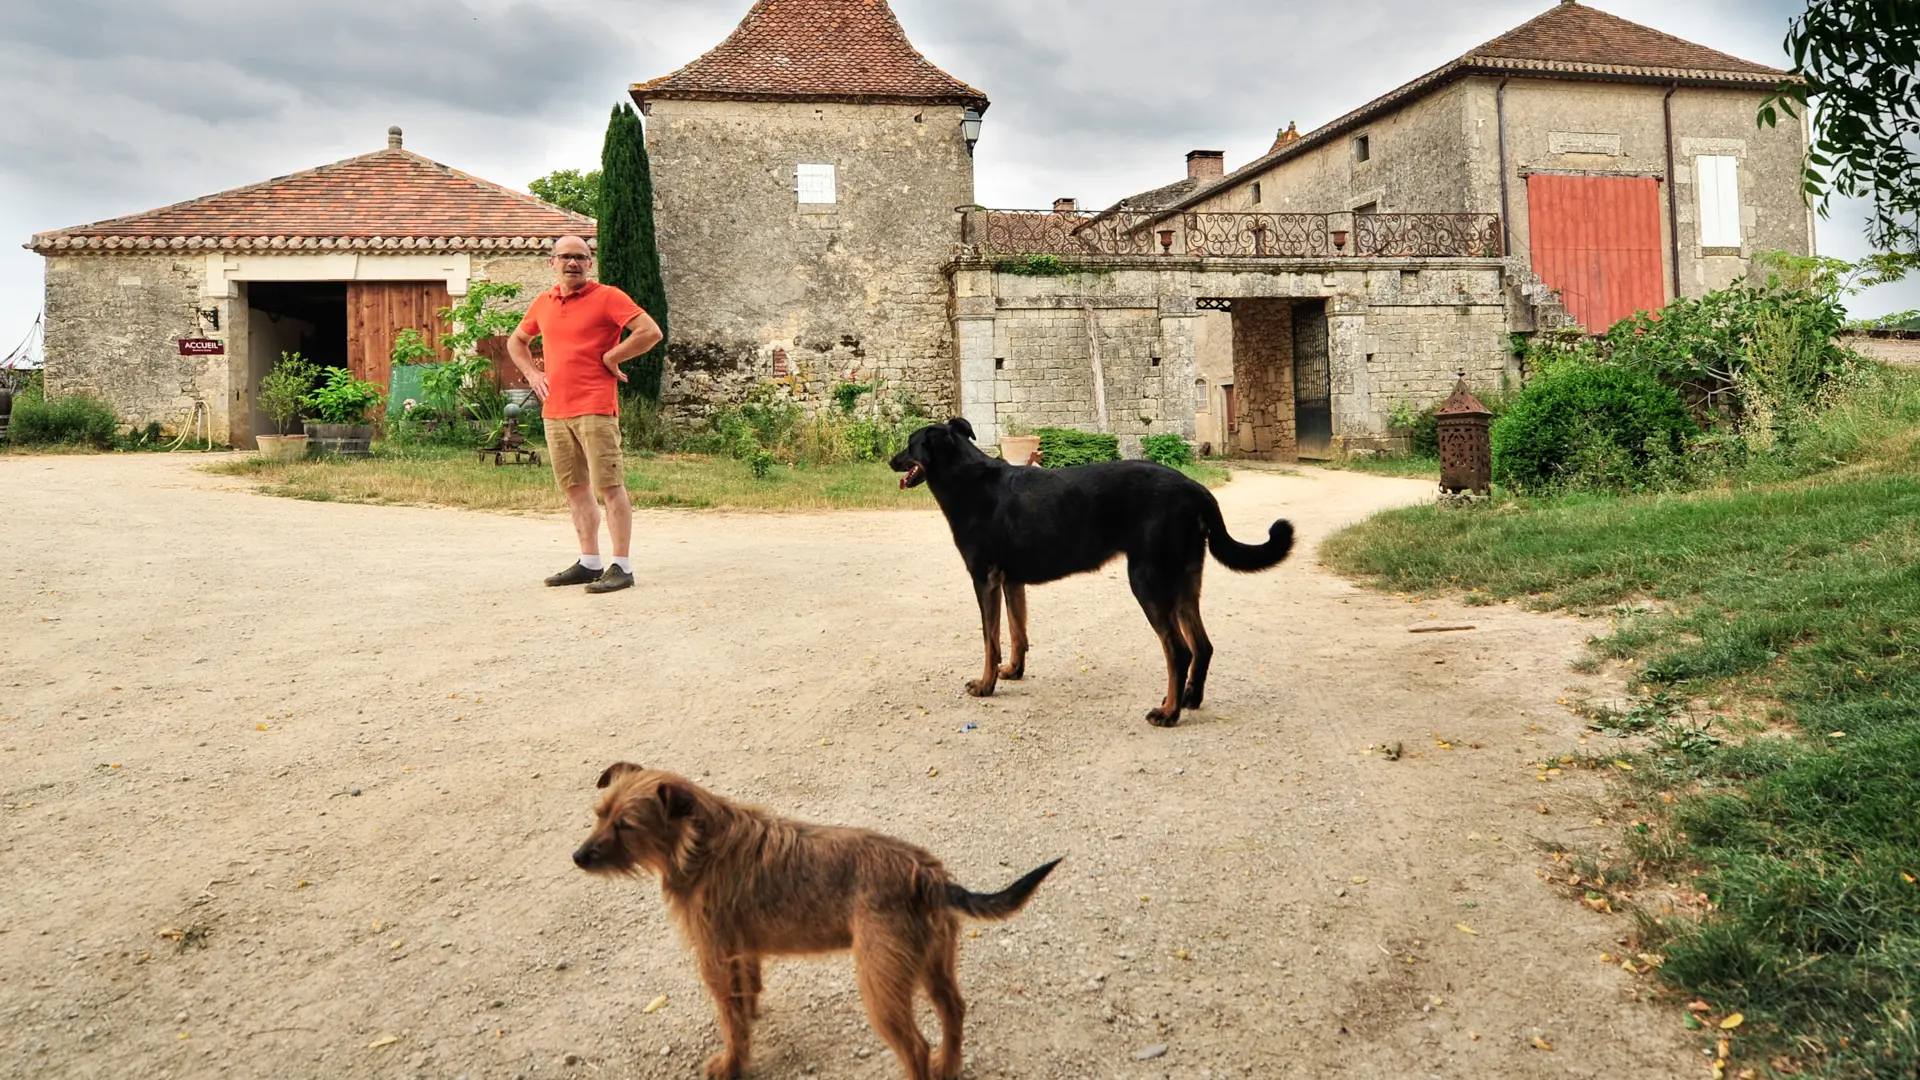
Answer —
613 580
573 575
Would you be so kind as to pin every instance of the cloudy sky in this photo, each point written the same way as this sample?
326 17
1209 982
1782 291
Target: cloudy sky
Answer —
118 106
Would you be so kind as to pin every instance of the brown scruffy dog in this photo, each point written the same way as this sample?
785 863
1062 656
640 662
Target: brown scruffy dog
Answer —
743 883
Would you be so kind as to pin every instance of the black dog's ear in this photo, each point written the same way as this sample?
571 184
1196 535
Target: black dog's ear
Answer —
616 771
677 800
960 425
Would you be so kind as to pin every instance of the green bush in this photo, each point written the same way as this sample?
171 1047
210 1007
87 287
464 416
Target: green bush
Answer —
1062 448
1170 450
284 389
345 399
1589 426
76 419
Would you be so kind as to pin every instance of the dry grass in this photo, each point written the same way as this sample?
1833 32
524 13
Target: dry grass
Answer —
436 477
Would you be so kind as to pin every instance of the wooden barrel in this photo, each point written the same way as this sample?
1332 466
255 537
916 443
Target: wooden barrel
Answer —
339 440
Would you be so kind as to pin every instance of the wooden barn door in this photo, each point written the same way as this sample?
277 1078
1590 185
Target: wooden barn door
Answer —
1597 240
376 313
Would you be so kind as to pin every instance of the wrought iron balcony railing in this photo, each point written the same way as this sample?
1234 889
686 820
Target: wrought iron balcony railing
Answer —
1231 235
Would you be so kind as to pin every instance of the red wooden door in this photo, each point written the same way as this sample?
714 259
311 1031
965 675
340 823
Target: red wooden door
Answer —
1597 240
376 313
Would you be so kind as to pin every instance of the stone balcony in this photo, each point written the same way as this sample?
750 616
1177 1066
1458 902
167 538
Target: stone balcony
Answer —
1129 235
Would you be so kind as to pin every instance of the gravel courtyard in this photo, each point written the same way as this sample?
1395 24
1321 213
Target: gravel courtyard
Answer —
289 790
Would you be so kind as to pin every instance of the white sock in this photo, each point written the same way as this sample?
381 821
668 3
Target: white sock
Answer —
592 562
626 565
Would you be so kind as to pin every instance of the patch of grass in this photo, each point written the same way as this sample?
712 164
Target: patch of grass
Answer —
1802 599
1211 475
431 476
1405 466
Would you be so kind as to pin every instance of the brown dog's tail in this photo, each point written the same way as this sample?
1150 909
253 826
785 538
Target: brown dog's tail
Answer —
1245 558
1001 905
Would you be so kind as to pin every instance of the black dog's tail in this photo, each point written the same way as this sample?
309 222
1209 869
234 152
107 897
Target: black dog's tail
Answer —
1004 904
1245 558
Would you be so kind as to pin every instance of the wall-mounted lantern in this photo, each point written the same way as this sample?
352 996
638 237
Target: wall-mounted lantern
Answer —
970 127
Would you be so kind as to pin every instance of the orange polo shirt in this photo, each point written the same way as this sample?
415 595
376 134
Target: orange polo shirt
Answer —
576 330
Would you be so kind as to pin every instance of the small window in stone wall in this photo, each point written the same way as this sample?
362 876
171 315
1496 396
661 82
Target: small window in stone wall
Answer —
1200 395
815 183
780 369
1256 193
1362 148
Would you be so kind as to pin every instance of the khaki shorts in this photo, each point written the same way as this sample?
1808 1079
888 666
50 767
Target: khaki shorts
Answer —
586 451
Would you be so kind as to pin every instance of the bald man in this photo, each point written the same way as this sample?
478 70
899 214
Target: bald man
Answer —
580 322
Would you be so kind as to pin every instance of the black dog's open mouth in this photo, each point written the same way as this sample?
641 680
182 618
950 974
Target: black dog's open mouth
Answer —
914 478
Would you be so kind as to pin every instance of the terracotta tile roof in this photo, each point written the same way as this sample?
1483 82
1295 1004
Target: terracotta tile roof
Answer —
1570 41
815 50
391 199
1581 36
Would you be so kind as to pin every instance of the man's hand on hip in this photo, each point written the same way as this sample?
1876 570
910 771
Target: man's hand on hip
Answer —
613 364
538 381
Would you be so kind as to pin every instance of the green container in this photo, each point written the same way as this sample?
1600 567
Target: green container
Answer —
404 384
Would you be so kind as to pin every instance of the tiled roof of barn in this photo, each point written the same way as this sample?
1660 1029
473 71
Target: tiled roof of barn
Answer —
390 199
1568 41
815 50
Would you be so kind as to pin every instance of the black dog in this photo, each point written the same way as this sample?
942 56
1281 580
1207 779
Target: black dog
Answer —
1017 527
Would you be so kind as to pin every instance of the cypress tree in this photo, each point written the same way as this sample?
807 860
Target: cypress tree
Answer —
629 256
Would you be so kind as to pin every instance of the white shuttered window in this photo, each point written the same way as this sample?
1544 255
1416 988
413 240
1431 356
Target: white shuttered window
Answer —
815 184
1719 181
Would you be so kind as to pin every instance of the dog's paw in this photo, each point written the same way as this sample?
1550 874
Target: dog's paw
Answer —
976 688
1162 718
1013 673
722 1066
1192 699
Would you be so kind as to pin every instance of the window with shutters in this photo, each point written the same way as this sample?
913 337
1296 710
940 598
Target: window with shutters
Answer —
1199 395
1718 179
815 184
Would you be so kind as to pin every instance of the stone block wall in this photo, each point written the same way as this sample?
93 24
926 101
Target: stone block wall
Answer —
849 291
113 329
1263 379
1395 329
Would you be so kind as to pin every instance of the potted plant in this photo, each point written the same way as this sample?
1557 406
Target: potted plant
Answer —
1018 445
282 393
345 406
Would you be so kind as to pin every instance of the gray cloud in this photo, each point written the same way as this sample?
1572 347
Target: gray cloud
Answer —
117 106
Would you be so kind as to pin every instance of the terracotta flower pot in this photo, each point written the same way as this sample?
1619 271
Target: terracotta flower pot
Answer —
282 447
1019 449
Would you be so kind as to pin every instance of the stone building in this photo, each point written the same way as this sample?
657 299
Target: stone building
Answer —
809 172
174 315
1573 171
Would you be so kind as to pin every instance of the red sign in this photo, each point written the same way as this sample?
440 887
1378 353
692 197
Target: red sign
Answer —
202 347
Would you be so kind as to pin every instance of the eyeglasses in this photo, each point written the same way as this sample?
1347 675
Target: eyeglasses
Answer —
573 258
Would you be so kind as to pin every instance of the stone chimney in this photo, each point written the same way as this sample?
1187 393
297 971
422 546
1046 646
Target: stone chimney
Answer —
393 138
1066 206
1292 134
1206 165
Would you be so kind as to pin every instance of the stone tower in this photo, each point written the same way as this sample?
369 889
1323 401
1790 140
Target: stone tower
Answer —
809 173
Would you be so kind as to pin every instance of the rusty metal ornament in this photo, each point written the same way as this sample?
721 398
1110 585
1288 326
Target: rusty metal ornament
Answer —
1466 446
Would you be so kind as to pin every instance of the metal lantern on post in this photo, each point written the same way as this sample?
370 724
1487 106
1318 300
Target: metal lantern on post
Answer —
1466 450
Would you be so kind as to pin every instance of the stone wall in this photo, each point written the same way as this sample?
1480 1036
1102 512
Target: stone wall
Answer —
1213 367
113 328
849 291
1395 330
1263 378
1441 154
1418 161
114 322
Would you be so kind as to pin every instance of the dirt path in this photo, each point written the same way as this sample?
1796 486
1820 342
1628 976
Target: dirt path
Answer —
346 751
